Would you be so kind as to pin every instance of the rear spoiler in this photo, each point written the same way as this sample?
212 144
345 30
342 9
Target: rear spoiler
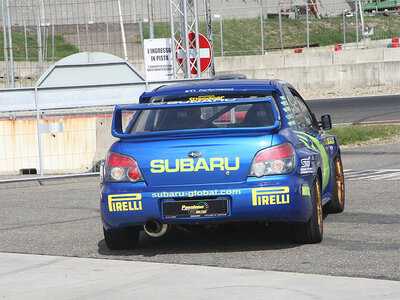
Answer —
118 131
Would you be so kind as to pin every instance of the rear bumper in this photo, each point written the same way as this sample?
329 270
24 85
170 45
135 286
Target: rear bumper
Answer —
271 199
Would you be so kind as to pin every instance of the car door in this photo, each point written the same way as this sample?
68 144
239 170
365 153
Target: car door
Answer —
309 132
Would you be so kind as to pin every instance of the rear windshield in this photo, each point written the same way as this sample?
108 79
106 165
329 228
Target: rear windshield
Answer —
196 117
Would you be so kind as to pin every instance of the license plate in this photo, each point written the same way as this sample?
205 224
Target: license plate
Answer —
195 208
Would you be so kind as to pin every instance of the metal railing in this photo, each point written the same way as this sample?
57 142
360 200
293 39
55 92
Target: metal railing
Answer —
37 33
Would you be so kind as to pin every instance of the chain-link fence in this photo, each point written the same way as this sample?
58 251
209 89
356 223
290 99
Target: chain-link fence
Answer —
282 27
40 32
36 33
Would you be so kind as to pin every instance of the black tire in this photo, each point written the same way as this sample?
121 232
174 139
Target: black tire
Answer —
121 239
311 232
336 204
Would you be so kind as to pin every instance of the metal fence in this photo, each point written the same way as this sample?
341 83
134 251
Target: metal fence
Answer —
36 33
276 28
40 32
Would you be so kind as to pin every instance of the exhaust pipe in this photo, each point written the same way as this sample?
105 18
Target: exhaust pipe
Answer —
154 228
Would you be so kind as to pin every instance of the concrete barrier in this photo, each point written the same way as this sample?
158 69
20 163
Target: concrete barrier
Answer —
297 68
71 151
329 69
306 59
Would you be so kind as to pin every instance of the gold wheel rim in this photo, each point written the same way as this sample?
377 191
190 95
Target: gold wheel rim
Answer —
319 206
339 181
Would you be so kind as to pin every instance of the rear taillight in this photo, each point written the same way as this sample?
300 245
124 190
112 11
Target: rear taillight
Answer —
121 168
275 160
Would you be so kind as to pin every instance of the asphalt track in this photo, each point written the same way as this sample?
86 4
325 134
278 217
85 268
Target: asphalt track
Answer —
51 242
358 109
60 218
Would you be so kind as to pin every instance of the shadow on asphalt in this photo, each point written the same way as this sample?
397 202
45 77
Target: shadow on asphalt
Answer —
214 238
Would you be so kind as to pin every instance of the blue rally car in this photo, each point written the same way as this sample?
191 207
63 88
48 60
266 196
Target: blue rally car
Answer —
219 151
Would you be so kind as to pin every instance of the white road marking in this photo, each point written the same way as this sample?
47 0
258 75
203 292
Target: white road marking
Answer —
385 176
375 174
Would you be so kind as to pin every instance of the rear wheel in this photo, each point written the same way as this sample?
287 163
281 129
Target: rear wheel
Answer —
311 232
120 239
336 205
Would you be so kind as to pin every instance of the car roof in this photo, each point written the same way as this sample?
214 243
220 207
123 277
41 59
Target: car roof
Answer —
211 86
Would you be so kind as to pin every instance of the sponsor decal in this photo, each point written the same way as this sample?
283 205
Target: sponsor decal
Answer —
203 97
306 165
195 208
270 196
216 100
209 90
305 190
190 165
191 194
314 144
199 208
329 141
124 202
289 116
286 108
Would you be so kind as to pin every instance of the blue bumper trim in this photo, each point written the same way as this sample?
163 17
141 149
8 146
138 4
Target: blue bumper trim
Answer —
268 200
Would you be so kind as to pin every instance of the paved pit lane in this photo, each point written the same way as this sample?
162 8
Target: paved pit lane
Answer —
61 217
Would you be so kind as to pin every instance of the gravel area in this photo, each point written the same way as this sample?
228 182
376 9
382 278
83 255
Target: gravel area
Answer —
374 142
309 94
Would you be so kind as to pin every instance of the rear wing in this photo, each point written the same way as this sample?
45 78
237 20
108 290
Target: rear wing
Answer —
118 131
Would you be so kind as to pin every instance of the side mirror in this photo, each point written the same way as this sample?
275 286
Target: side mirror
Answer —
326 122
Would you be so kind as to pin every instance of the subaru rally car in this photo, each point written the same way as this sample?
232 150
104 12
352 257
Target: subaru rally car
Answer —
219 151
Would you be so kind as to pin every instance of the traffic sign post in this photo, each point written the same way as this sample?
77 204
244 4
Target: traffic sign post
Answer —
204 53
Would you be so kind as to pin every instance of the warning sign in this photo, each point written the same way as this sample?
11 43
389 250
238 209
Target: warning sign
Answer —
158 59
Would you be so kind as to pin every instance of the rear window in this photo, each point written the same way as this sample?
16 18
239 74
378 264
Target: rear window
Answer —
196 117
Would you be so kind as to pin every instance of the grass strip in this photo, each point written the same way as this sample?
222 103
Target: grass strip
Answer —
243 36
354 134
62 48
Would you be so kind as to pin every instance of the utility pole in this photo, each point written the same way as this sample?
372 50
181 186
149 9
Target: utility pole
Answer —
10 43
210 35
5 43
360 6
150 16
121 23
42 13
